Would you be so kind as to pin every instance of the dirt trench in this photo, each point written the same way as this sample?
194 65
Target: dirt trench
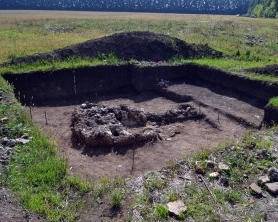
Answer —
230 104
226 118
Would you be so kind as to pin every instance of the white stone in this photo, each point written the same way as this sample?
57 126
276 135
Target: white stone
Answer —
176 207
263 180
255 189
272 188
223 167
214 175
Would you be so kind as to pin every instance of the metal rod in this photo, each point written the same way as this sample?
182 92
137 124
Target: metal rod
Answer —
46 123
30 110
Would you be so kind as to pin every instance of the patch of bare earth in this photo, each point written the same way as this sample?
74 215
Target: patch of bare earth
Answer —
225 120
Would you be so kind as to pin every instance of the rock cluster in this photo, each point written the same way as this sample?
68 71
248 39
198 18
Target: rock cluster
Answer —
216 171
267 182
7 147
102 126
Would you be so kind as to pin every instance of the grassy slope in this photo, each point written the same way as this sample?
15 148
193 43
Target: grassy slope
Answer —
35 172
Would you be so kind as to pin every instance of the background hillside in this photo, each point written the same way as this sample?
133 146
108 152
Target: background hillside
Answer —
181 6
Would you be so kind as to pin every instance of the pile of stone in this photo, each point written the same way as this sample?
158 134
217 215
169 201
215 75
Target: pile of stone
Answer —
217 171
7 147
268 182
102 126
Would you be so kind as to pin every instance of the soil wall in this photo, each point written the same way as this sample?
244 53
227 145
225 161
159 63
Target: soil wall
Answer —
270 115
66 84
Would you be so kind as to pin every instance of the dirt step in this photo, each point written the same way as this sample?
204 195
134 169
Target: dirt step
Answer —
241 110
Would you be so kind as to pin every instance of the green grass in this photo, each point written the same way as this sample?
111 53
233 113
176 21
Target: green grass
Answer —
273 102
39 176
234 66
160 212
204 201
71 63
25 34
35 173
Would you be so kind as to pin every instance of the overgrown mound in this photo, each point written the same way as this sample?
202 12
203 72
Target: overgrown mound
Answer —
269 70
142 46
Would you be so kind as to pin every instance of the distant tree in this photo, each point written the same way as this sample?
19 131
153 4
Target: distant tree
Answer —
264 8
181 6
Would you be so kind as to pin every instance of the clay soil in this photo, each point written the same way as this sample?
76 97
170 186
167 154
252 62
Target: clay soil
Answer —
226 119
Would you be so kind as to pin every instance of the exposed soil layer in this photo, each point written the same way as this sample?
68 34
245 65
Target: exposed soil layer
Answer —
145 46
269 69
270 115
230 104
72 85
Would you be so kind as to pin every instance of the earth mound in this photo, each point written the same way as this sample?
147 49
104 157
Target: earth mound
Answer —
141 46
101 126
269 70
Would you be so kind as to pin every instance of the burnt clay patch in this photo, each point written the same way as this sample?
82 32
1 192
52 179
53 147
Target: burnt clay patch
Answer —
100 126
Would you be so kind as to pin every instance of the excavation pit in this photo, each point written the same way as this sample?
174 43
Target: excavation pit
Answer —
230 105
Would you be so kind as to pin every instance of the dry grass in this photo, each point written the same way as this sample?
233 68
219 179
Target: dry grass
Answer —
26 32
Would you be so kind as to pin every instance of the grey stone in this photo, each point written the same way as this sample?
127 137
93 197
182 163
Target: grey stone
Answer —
210 164
4 141
224 181
263 180
223 167
272 188
22 141
255 189
214 175
273 174
176 208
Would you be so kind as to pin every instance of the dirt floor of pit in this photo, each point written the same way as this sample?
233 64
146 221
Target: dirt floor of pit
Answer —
181 138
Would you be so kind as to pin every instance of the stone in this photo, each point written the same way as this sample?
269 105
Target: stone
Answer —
223 167
273 174
214 175
252 145
176 208
4 141
199 169
263 180
272 188
22 141
25 136
210 164
255 190
5 119
224 181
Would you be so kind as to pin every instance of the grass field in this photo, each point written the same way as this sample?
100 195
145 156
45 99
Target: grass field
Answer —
27 32
36 174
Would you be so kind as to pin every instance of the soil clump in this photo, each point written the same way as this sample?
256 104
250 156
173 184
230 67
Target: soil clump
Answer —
269 70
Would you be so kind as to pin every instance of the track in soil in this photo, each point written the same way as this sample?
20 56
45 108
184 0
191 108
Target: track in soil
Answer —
226 119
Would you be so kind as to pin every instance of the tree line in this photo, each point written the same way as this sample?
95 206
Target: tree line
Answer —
264 8
179 6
